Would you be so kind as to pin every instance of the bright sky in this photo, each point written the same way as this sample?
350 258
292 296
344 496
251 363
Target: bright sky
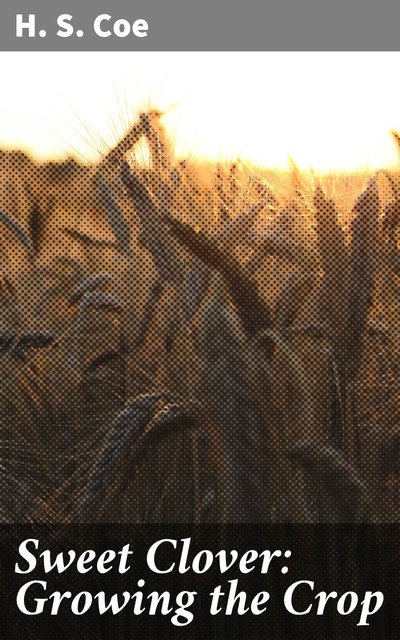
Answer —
328 111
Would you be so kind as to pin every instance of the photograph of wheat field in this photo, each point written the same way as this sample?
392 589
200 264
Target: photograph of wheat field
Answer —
200 338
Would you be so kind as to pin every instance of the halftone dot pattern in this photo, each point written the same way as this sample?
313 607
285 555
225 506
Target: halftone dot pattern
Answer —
187 344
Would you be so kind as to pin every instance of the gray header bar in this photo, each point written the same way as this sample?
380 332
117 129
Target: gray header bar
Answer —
200 25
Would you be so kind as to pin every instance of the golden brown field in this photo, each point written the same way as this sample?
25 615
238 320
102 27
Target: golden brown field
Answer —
188 343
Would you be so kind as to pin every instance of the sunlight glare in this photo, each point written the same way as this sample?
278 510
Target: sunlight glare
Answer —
330 111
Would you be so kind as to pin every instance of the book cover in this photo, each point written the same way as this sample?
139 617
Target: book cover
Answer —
199 321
